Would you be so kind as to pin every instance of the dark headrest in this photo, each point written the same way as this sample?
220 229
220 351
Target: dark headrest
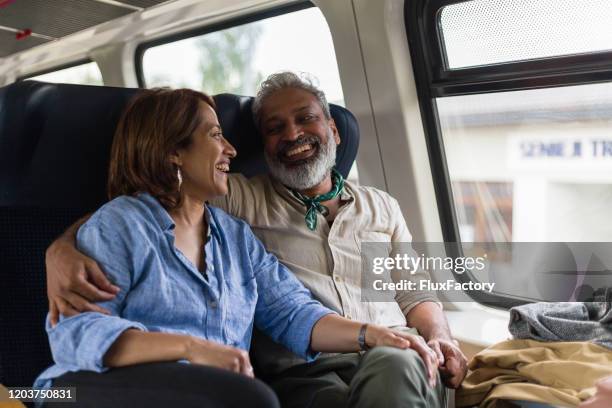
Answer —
55 141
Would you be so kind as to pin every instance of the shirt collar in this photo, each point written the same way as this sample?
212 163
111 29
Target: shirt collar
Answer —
347 193
160 214
163 219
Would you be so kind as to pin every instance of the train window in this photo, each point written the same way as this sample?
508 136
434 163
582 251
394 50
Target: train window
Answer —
516 99
483 32
237 58
544 168
83 74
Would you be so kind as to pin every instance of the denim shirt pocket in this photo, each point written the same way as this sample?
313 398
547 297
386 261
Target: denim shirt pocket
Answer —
240 314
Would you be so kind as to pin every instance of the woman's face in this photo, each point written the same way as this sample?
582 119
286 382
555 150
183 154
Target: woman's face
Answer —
205 163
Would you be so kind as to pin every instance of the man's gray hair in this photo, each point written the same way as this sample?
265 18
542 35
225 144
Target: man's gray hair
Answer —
287 79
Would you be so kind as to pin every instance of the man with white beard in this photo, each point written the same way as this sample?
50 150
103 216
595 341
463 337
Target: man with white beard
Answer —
313 221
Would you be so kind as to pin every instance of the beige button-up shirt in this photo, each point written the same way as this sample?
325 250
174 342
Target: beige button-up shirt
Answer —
328 259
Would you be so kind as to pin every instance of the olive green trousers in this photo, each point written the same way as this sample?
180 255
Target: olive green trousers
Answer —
381 377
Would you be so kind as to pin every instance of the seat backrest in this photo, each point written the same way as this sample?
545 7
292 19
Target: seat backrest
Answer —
55 141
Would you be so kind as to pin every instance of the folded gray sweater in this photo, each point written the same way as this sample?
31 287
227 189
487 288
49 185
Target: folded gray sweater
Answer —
568 321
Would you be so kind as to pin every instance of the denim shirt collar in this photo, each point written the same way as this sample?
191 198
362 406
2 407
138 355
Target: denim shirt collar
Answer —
165 221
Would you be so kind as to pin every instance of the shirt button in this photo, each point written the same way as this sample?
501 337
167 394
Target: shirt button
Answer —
212 304
348 316
338 278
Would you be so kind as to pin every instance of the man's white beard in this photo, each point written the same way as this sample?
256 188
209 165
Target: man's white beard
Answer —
309 174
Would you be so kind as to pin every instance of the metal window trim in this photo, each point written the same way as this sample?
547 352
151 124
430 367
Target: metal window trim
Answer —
545 72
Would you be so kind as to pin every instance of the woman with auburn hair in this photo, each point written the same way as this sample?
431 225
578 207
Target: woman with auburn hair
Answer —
192 280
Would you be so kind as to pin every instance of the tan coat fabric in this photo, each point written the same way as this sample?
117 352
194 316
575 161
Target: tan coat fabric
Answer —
556 373
6 402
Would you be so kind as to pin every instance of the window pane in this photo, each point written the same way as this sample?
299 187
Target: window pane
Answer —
484 32
235 60
85 74
531 166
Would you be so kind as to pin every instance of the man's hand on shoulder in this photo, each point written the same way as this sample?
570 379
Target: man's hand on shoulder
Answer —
453 363
74 281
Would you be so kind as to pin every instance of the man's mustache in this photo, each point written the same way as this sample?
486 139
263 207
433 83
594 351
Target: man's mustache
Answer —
284 147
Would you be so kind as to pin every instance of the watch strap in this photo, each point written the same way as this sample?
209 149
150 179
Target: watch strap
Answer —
362 337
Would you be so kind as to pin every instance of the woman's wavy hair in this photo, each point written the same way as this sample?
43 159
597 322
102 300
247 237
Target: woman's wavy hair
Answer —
155 124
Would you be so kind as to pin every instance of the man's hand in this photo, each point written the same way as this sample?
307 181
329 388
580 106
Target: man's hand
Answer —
453 363
74 281
383 336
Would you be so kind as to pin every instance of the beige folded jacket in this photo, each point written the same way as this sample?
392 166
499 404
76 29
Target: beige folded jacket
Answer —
6 402
556 373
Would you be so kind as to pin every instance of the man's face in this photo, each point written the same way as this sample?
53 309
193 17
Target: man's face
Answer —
299 142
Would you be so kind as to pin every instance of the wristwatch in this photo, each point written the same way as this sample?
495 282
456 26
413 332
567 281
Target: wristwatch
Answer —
362 338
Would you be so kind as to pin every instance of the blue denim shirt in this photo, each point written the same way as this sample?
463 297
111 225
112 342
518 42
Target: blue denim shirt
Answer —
132 239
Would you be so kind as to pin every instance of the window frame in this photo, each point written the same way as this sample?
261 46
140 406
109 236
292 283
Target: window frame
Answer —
506 76
211 28
55 68
435 80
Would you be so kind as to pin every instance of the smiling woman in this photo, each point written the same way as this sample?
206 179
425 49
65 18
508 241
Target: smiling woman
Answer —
181 158
168 157
204 163
182 118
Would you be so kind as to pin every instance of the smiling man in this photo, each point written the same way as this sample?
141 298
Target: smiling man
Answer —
314 222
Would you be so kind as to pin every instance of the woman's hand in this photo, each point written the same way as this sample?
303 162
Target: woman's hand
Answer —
382 336
218 355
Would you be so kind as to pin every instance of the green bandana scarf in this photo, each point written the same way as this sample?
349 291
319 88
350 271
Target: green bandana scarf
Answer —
313 204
